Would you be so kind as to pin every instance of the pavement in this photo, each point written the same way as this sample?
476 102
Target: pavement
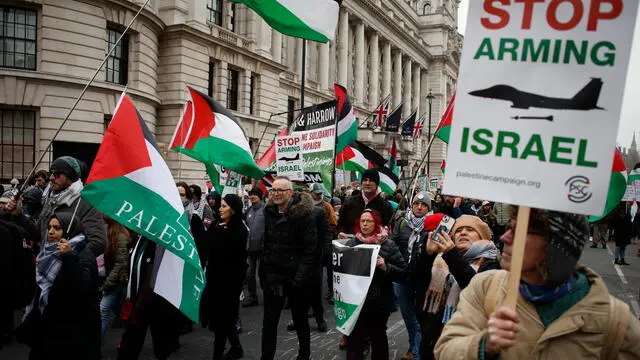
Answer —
622 281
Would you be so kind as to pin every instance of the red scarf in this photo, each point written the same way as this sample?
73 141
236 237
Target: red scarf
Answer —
376 238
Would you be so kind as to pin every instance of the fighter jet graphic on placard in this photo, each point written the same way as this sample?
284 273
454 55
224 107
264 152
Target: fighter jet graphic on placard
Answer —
284 158
585 99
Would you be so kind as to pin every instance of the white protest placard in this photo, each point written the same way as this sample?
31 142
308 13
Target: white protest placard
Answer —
538 102
630 193
289 160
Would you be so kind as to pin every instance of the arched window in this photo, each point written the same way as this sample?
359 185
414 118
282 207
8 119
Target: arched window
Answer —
426 9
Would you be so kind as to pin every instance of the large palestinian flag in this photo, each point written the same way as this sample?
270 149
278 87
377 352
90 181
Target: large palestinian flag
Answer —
211 134
617 186
347 124
130 182
308 19
388 180
444 126
359 157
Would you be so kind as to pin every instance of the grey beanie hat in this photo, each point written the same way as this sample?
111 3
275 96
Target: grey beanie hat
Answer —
423 197
567 234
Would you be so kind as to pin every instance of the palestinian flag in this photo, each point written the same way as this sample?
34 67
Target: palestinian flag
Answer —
443 165
308 19
634 175
617 186
388 180
444 127
130 182
210 134
393 157
359 157
347 124
269 156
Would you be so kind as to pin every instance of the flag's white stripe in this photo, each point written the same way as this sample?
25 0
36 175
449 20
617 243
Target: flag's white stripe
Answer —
387 180
359 159
229 130
320 15
158 178
169 279
354 289
345 124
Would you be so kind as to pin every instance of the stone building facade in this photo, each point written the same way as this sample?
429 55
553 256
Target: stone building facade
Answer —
50 48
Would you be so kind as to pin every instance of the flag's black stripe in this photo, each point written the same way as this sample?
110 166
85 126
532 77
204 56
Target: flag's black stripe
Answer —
219 109
385 170
146 133
353 261
373 156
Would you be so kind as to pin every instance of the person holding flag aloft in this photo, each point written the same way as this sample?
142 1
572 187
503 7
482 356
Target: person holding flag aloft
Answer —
564 307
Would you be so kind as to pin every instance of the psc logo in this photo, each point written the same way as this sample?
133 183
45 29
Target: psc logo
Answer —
578 189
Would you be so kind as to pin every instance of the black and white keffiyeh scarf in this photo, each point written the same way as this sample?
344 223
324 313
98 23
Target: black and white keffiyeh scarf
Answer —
416 224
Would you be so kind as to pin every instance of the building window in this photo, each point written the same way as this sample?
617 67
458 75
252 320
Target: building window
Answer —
291 107
211 79
18 38
117 64
232 90
214 7
232 18
17 131
106 121
252 93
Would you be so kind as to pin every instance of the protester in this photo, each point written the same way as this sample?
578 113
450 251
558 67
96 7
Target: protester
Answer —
199 206
63 322
437 202
326 246
441 271
636 228
62 197
502 220
254 216
370 198
148 310
226 271
290 249
622 232
600 229
451 206
185 194
116 261
564 309
390 267
487 215
337 204
406 234
214 199
41 178
32 204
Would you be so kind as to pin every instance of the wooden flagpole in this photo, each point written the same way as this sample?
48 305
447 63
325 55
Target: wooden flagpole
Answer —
517 256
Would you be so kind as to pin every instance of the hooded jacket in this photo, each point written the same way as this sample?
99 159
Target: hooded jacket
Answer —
576 334
290 242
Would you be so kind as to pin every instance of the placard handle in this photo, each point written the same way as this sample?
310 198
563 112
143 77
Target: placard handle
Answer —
517 255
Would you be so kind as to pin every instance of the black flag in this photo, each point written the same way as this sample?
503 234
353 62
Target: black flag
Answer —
393 120
407 127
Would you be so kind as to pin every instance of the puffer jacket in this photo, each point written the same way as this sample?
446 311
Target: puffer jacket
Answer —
380 295
577 334
116 265
290 243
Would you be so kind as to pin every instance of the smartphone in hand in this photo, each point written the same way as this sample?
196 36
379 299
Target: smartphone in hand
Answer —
446 224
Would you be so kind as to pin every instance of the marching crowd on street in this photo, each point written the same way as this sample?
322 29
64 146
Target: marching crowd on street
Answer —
70 273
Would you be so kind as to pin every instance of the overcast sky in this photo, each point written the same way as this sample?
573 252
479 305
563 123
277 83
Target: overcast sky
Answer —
631 104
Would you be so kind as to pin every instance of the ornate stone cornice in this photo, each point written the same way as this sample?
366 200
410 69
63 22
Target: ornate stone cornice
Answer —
148 14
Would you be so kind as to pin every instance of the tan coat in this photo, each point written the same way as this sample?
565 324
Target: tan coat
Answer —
576 335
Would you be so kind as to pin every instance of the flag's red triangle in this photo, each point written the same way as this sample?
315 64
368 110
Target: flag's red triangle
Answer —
618 163
447 117
183 126
123 149
345 155
197 122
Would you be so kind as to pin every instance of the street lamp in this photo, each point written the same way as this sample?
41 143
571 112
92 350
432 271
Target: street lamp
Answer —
430 100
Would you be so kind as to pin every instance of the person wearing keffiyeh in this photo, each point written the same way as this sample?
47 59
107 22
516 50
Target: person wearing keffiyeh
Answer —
63 321
406 234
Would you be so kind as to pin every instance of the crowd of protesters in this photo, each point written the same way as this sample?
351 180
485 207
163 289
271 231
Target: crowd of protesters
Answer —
73 273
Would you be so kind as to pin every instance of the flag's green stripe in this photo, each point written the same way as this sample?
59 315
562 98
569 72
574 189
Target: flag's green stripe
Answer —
343 312
109 196
190 304
617 187
351 166
283 20
443 133
347 137
385 188
213 150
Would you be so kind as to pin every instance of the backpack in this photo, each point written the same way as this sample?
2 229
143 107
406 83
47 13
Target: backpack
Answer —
619 315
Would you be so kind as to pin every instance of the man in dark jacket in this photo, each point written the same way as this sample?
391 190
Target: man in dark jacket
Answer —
254 217
317 192
369 199
289 255
406 234
62 196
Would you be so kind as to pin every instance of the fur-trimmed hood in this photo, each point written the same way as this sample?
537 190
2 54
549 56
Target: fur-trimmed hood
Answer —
301 205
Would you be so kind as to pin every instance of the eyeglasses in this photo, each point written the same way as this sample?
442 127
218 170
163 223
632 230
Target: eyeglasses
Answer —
278 191
182 195
55 174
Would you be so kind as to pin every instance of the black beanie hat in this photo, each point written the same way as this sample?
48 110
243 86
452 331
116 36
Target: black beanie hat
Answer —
235 203
67 165
257 192
371 174
567 235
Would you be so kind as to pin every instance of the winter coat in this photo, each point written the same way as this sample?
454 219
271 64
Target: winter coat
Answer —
636 225
89 220
290 243
380 295
577 334
69 327
226 271
400 235
117 265
255 221
622 230
354 206
324 250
